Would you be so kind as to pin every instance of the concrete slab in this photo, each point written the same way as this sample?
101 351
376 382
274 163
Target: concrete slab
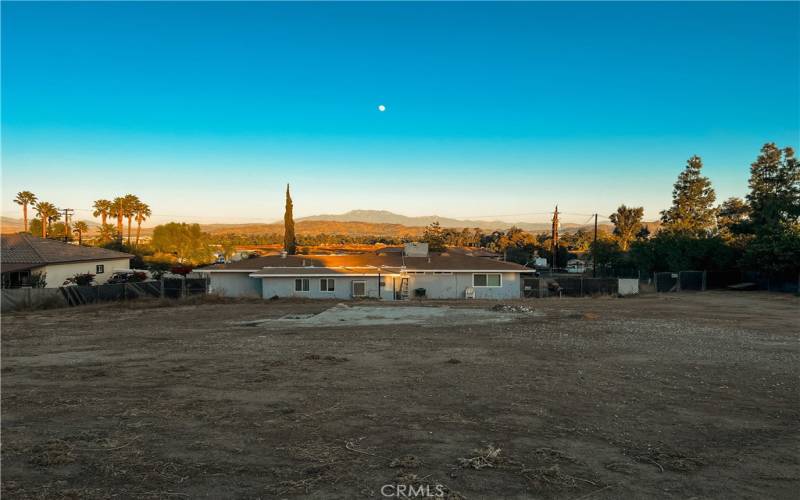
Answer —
358 315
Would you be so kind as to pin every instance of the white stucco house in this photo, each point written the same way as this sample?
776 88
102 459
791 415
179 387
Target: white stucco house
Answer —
23 256
389 274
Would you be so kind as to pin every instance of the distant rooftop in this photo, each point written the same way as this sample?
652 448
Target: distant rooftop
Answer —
433 262
24 251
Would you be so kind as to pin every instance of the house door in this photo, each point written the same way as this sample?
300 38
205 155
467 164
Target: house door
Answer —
359 288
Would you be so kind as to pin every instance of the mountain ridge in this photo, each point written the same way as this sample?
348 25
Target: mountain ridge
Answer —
355 222
387 217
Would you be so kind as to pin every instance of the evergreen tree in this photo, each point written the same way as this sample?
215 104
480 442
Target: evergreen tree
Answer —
434 237
774 187
731 216
692 211
627 224
774 200
289 241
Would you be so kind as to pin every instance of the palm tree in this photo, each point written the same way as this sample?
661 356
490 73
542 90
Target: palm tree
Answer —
107 232
80 228
142 212
129 202
118 209
47 213
25 198
101 209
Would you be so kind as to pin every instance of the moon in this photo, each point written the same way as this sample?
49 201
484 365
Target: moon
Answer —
381 108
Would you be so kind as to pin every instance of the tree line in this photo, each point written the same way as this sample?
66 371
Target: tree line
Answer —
128 207
758 233
48 222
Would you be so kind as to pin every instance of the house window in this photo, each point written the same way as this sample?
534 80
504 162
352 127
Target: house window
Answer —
326 285
489 279
359 288
100 269
301 285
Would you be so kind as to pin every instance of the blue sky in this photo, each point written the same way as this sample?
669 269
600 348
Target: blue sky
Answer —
206 110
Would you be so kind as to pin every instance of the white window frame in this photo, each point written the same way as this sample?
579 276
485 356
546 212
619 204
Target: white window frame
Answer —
353 288
487 285
330 285
100 269
302 281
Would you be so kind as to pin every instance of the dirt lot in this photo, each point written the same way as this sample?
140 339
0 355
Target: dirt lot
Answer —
692 395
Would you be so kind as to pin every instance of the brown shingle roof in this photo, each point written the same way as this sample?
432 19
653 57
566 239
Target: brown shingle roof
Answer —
460 262
435 262
325 271
23 251
352 260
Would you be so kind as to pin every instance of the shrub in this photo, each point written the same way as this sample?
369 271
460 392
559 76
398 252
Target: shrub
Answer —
80 279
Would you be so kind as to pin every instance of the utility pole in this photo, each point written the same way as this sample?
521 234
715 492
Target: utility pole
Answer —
555 240
67 213
594 249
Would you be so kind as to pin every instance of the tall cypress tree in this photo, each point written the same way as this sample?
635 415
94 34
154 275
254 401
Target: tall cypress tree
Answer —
692 211
289 242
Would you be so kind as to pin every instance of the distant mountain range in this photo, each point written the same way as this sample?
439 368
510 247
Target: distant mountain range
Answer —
315 227
359 222
14 225
386 217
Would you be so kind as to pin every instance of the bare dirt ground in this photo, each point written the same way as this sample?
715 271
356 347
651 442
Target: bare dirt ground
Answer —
690 395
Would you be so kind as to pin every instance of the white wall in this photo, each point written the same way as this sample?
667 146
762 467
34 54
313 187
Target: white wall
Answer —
234 284
58 273
437 286
284 287
454 286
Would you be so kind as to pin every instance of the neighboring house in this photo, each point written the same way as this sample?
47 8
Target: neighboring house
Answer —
23 255
388 275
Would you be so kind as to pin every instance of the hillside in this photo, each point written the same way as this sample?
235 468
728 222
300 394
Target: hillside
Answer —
15 225
386 217
346 224
315 227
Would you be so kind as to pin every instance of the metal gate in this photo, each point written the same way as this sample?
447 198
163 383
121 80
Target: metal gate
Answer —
666 282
